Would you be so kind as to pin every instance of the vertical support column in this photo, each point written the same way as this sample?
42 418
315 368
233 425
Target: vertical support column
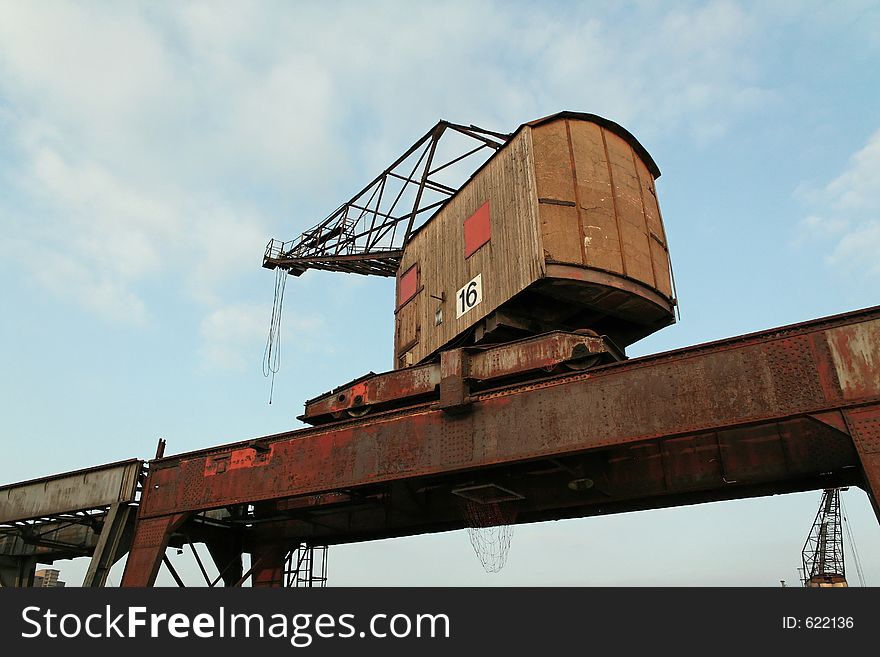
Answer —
27 572
109 547
864 427
227 557
454 384
268 568
151 536
8 572
17 571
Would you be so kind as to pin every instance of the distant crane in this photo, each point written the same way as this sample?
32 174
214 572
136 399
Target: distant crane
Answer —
823 554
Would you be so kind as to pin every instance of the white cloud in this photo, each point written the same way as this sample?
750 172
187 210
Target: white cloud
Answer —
154 141
858 188
97 292
222 243
846 213
860 248
227 331
111 234
234 336
686 70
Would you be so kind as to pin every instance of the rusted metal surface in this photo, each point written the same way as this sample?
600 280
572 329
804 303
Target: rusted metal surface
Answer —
856 357
764 459
91 488
454 385
755 415
646 304
531 356
268 569
864 424
689 391
151 537
374 390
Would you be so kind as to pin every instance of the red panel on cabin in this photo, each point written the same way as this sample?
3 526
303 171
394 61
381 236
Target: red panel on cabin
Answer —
477 230
408 286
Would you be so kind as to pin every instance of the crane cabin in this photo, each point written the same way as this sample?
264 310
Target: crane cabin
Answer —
558 229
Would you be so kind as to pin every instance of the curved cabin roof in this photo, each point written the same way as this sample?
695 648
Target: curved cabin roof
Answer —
616 128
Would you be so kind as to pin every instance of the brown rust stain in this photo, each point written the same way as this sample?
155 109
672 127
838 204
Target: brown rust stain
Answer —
855 350
236 460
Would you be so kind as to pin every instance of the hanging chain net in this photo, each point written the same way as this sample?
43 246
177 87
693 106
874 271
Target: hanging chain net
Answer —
490 528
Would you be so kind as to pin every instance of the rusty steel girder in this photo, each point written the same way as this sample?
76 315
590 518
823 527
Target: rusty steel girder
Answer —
783 410
88 512
458 371
91 488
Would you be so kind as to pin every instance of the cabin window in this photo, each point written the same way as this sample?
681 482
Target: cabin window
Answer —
477 230
408 285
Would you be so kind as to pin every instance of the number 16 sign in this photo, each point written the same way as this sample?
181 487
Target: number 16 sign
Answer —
469 296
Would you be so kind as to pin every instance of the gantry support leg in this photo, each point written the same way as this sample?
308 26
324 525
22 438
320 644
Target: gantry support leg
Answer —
864 427
268 568
151 536
17 572
8 572
110 545
227 558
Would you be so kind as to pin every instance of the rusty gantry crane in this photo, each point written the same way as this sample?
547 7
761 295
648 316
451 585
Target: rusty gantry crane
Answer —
515 302
519 287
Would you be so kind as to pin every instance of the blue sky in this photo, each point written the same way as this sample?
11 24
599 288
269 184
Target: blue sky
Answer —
148 151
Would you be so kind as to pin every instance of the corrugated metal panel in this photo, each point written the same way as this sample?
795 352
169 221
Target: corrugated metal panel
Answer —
73 491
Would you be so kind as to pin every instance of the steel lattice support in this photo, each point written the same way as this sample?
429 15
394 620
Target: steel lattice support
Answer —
790 409
306 566
366 234
823 560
